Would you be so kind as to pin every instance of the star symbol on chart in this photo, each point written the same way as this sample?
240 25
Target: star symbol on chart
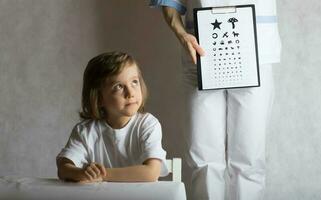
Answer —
216 24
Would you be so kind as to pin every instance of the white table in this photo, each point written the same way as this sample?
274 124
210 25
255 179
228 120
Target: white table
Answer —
51 188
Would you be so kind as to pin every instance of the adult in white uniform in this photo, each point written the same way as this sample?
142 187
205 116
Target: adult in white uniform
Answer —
225 129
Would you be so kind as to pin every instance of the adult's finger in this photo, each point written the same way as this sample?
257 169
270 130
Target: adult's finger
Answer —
196 46
198 49
191 51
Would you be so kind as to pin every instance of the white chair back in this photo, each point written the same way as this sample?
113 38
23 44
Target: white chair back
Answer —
175 167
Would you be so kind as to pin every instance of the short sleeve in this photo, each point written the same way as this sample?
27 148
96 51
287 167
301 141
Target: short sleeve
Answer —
151 140
179 5
75 149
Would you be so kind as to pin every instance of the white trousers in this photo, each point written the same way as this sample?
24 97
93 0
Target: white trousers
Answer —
225 132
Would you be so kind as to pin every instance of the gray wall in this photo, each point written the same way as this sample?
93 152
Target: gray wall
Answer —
45 45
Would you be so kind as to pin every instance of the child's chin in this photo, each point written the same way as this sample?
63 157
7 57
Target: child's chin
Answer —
131 113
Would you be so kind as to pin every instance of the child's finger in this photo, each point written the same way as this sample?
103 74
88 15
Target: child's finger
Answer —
84 181
102 169
91 172
95 169
88 175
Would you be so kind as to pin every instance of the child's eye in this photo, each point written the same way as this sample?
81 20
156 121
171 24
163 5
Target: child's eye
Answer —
135 82
118 87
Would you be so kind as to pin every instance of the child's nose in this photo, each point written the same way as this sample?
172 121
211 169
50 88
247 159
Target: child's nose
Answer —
129 92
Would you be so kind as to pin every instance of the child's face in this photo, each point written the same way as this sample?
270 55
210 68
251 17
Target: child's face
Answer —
121 94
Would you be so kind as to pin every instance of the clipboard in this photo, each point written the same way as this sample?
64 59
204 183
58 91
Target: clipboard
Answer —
228 36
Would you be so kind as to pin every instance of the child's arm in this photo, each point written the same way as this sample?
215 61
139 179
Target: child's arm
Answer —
68 171
149 171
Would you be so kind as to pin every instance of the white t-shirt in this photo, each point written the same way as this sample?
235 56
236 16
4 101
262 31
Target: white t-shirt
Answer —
95 141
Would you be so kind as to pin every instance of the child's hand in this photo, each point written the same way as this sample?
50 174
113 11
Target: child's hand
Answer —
93 172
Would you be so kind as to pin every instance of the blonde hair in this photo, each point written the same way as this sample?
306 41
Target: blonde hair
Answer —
97 71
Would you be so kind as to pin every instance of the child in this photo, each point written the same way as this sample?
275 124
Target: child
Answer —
116 141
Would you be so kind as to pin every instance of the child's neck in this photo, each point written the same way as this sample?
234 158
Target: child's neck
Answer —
118 122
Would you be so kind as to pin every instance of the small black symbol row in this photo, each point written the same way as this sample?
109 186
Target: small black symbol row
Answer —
226 48
217 24
225 35
230 63
224 68
222 42
225 59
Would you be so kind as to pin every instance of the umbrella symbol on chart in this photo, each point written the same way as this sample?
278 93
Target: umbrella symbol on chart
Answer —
232 21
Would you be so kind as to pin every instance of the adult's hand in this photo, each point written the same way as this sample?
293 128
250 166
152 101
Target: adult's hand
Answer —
174 20
191 45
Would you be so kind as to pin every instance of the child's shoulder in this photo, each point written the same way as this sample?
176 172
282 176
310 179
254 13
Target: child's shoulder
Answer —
146 120
86 123
87 126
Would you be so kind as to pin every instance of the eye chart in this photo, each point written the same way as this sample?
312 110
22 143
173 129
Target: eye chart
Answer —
228 36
